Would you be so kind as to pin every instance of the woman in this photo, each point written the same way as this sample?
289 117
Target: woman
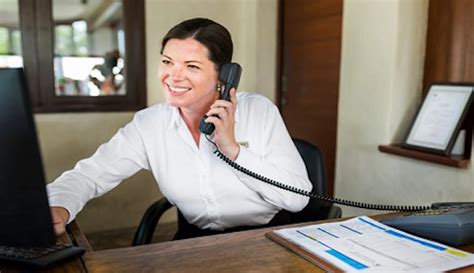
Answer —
165 140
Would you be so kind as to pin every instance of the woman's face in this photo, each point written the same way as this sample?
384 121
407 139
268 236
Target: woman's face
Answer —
188 77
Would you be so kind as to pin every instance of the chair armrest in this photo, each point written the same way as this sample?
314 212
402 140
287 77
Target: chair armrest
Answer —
334 212
77 237
147 226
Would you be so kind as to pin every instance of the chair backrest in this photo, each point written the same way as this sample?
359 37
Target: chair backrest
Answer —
314 161
315 165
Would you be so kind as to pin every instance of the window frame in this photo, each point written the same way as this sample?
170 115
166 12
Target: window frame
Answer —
37 32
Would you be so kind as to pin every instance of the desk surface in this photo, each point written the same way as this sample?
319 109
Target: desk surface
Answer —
247 251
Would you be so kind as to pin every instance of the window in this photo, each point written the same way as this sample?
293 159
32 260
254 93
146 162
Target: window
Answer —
10 39
77 53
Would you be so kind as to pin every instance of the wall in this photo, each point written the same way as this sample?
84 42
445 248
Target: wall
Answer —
66 138
380 87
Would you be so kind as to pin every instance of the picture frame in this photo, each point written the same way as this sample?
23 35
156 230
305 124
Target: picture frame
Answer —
439 118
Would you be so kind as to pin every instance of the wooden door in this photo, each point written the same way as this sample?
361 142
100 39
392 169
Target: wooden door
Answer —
310 39
449 42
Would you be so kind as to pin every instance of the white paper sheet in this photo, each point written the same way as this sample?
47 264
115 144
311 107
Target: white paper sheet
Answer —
365 245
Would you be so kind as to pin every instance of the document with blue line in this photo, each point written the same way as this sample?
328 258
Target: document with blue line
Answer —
362 244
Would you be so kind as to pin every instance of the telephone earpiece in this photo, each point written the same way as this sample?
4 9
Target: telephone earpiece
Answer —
229 77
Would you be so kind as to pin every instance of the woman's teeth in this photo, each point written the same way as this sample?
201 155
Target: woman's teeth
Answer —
178 89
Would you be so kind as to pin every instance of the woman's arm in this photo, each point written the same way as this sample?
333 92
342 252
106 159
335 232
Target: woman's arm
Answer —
279 160
113 162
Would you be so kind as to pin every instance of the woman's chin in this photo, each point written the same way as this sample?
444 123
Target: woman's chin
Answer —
176 101
174 98
173 102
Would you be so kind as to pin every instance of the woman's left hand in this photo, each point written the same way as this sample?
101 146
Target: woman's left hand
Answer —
225 122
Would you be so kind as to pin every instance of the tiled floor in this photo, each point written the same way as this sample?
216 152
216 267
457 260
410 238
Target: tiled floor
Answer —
123 237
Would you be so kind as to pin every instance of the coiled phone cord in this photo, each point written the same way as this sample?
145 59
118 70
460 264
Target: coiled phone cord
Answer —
314 195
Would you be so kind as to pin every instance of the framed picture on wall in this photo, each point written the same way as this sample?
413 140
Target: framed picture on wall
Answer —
437 123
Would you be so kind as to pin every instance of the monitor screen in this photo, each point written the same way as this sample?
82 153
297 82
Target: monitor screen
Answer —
25 218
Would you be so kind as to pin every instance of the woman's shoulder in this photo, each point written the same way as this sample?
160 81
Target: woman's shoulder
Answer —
162 108
248 99
251 97
154 113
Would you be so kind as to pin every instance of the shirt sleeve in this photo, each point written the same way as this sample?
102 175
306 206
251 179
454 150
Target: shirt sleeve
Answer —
278 160
113 162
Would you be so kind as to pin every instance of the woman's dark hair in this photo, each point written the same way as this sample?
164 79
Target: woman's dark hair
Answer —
215 37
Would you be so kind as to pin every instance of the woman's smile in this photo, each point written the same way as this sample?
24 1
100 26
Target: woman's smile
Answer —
178 89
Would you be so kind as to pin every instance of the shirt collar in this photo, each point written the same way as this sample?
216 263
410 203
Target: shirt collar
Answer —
237 115
176 120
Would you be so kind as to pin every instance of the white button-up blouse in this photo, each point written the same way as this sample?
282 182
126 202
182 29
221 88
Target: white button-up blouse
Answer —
207 191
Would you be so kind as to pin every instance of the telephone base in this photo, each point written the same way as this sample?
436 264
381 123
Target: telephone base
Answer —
451 225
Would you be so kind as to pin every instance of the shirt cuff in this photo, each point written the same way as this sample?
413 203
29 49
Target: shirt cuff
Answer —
56 200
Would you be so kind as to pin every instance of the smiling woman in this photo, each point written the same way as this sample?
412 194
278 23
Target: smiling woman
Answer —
165 139
192 54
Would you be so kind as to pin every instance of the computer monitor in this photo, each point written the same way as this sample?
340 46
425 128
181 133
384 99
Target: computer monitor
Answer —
25 219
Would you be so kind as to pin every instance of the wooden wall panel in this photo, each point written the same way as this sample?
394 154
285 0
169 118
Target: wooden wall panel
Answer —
310 38
450 42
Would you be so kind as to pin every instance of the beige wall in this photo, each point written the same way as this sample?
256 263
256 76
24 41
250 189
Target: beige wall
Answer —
381 77
67 138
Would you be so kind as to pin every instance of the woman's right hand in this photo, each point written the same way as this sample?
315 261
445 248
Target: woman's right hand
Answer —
60 216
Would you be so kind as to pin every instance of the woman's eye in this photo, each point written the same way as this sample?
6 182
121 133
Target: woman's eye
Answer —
193 66
165 62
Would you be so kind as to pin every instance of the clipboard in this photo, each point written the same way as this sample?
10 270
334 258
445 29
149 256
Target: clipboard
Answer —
316 260
349 245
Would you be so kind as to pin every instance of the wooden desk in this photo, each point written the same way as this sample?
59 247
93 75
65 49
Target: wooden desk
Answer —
247 251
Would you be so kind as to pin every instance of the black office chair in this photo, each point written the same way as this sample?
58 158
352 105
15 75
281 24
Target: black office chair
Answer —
315 210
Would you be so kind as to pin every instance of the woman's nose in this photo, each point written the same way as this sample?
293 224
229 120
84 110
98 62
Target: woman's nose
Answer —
176 72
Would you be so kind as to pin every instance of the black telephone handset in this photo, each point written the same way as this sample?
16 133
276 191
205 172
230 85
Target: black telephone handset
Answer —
230 77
